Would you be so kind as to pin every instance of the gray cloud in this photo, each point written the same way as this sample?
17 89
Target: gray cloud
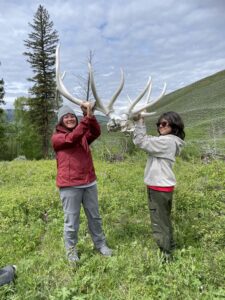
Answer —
174 41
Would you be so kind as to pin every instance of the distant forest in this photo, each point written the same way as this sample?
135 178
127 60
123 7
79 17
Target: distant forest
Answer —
10 116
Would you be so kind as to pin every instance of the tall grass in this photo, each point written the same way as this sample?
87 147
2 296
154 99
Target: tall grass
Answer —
31 231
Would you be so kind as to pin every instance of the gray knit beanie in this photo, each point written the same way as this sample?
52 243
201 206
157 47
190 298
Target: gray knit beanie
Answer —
65 109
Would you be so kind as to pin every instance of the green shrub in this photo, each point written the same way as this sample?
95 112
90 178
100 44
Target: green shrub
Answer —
191 152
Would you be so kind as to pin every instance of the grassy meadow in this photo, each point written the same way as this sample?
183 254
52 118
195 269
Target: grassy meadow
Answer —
31 235
31 227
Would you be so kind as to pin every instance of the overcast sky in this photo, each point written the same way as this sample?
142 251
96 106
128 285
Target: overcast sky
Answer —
174 41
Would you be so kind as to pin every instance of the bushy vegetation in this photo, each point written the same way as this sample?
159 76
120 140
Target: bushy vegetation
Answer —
31 234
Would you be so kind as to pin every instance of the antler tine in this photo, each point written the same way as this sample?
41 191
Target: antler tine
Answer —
137 111
139 96
63 75
147 114
128 97
149 91
59 83
118 91
99 105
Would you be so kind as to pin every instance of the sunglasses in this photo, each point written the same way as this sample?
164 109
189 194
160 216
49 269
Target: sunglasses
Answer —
162 124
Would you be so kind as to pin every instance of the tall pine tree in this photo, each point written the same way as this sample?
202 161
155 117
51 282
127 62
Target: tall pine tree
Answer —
3 140
2 93
41 45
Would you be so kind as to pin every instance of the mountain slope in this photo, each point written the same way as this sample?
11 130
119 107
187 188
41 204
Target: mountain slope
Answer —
202 107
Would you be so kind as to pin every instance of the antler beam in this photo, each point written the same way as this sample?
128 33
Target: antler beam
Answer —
59 81
118 121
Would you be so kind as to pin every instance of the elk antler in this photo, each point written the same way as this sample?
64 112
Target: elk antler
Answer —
131 111
59 81
117 120
126 122
99 105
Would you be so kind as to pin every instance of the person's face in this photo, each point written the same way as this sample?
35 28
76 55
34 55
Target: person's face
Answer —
164 127
69 121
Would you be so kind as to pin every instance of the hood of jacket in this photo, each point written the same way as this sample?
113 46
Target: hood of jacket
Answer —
179 143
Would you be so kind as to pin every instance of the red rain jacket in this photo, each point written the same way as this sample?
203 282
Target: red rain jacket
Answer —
74 161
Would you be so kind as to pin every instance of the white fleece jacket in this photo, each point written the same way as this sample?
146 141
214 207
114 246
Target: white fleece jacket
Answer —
162 151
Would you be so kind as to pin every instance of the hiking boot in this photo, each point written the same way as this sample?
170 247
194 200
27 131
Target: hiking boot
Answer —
105 250
167 258
72 255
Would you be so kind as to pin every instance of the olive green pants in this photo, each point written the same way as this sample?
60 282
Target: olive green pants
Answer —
160 205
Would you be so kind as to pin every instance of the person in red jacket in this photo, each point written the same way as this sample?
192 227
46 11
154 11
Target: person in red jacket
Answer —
76 177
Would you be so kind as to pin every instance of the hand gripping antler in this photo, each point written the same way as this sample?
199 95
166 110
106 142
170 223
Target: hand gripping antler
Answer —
126 122
123 121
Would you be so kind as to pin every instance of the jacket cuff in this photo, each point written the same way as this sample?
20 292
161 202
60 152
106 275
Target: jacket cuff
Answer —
90 119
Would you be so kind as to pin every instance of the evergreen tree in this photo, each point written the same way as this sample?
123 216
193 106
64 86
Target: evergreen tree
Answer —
2 93
41 45
3 140
24 132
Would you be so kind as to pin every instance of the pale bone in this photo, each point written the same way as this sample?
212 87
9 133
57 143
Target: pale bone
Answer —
108 109
59 81
117 121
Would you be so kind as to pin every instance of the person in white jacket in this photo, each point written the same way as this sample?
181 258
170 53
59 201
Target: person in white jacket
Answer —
158 176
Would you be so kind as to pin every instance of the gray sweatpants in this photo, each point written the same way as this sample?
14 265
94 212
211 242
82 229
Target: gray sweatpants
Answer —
72 198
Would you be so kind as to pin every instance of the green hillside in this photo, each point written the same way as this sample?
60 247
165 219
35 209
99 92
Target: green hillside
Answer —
202 106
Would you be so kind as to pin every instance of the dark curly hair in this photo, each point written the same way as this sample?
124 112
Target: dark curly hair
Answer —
175 122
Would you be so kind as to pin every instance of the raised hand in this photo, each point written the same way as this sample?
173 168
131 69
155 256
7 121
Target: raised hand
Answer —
86 107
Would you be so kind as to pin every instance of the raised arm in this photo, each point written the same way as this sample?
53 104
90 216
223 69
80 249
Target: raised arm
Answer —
154 145
62 140
94 128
